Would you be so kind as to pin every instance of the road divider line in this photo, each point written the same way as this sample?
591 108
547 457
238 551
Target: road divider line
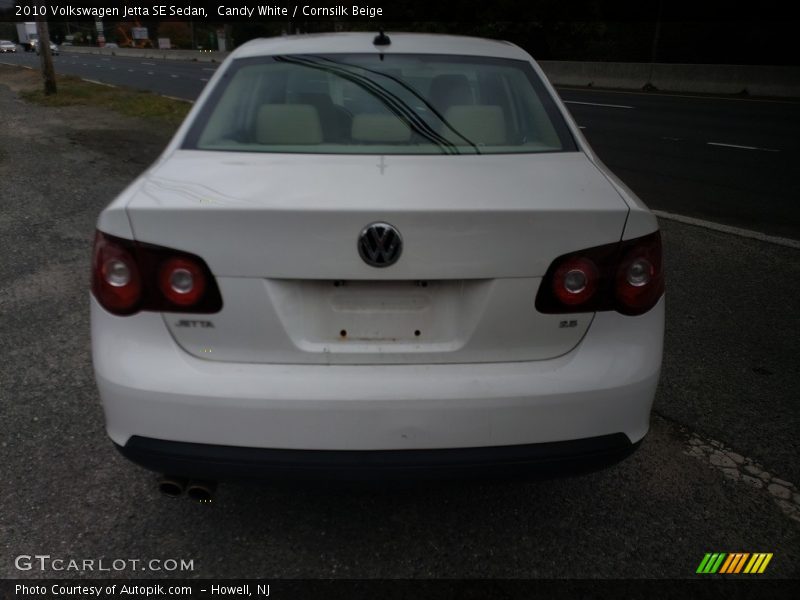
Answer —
740 147
746 233
149 63
206 69
597 104
97 82
178 99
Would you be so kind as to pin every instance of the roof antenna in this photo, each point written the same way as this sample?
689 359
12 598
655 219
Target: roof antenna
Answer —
381 39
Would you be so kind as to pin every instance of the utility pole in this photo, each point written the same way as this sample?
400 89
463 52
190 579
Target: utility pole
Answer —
654 47
48 72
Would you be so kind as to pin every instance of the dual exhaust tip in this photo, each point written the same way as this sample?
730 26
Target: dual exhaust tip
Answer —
195 489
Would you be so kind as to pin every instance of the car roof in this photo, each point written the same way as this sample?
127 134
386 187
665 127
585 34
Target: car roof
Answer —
361 42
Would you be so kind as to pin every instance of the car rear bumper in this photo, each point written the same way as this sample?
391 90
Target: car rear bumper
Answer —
150 388
206 461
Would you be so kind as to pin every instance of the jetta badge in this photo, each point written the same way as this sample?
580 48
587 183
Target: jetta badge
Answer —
380 244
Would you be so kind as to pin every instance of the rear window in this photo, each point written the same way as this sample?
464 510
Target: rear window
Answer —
368 104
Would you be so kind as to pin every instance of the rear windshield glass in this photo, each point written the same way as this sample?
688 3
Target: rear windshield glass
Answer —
365 104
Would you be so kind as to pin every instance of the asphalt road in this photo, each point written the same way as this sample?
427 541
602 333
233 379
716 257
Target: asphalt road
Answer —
180 79
726 160
710 476
710 158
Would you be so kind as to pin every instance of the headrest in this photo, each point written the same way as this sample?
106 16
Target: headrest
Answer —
449 90
479 123
288 124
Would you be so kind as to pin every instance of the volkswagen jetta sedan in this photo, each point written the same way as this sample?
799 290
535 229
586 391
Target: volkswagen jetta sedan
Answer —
368 254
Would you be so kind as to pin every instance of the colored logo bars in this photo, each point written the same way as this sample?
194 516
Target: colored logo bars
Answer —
734 563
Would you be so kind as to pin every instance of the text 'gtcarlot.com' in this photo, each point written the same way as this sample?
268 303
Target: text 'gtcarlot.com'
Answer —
44 562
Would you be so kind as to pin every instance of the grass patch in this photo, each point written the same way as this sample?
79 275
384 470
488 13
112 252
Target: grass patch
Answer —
73 91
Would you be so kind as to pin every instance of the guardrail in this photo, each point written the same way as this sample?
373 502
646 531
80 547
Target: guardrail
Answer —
194 55
753 80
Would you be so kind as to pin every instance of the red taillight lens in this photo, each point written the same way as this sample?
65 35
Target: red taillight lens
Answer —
624 276
116 281
640 278
182 281
130 276
575 281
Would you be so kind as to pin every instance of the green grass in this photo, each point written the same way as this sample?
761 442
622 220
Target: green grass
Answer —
73 91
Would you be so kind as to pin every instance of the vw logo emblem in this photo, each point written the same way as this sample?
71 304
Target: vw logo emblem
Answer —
380 244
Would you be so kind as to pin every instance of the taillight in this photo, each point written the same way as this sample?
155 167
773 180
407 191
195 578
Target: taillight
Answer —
116 281
182 281
624 276
575 281
131 276
640 277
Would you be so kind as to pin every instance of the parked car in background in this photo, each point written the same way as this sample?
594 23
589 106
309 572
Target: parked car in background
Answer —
369 254
7 46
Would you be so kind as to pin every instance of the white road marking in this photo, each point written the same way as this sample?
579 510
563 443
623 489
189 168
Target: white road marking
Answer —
174 76
581 126
742 147
148 63
203 79
747 233
205 69
597 104
747 471
149 72
97 82
130 70
178 99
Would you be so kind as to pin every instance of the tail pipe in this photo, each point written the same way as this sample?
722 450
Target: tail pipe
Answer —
171 486
201 491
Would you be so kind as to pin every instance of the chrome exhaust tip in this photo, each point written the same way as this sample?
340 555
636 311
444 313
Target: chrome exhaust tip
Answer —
201 491
171 486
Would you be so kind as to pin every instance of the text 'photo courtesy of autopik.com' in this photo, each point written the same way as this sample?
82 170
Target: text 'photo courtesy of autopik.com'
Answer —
408 299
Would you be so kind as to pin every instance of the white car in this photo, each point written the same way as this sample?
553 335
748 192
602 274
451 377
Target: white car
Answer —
7 46
366 254
54 50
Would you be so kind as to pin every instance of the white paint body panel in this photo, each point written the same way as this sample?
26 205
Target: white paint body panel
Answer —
277 229
299 215
150 387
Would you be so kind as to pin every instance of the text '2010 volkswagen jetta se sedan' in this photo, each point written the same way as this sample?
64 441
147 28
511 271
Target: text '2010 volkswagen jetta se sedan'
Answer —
364 254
